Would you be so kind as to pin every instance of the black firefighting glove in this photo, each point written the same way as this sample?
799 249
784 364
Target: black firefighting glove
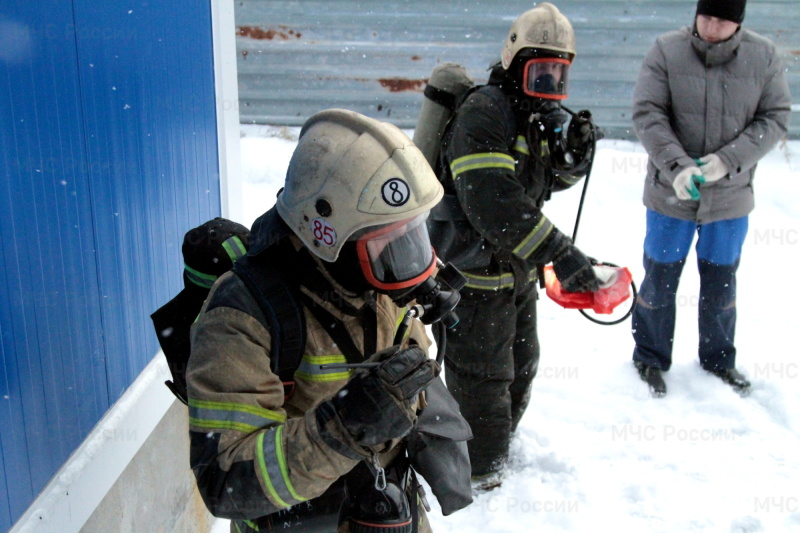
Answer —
572 268
376 406
579 132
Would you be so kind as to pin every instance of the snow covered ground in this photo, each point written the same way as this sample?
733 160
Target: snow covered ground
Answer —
594 451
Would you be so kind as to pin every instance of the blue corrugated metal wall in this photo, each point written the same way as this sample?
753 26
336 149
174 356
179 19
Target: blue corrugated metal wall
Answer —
298 57
107 156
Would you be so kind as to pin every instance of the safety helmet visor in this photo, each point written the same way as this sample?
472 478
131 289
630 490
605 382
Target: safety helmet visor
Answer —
396 256
546 77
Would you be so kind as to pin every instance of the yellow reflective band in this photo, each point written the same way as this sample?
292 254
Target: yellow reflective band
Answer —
324 359
309 369
484 160
238 407
544 148
534 239
264 473
323 378
283 466
489 283
521 145
222 424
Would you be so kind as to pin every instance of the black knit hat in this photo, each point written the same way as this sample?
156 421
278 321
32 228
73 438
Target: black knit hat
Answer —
210 250
732 10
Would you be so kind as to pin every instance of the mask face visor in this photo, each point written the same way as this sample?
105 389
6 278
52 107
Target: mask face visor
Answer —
546 77
396 256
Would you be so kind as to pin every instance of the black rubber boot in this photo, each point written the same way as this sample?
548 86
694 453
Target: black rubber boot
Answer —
652 376
734 378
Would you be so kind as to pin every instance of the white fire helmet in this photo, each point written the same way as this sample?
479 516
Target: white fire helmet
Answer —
354 178
546 39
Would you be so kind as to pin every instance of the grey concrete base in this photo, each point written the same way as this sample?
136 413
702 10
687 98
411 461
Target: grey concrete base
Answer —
156 492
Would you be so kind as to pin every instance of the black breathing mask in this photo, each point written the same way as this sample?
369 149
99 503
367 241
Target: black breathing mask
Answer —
436 297
397 259
549 118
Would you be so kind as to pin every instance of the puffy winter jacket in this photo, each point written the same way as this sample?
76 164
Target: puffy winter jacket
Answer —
695 98
495 180
253 451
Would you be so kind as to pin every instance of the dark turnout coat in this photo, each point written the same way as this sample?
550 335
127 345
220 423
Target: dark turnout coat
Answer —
695 98
490 223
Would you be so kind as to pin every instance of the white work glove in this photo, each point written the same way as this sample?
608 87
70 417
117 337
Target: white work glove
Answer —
712 167
685 183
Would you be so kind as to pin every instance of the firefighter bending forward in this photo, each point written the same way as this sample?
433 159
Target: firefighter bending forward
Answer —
350 227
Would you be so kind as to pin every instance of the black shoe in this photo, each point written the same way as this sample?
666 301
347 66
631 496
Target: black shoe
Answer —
652 376
734 378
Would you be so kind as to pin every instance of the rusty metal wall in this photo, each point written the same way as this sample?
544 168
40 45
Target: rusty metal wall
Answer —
296 58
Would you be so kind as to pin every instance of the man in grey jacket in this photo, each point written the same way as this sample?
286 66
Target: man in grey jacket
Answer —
710 101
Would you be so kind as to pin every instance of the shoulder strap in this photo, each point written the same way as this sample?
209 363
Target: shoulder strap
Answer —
337 330
277 297
367 315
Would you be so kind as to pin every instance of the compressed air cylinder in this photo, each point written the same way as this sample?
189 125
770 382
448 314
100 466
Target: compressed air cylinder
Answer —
446 87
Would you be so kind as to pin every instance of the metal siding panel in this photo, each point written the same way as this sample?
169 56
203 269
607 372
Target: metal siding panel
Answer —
54 386
152 148
5 506
107 136
296 58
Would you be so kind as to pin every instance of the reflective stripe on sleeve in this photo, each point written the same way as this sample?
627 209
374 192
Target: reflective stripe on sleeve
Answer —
494 283
534 239
233 416
478 161
521 145
274 469
489 283
309 369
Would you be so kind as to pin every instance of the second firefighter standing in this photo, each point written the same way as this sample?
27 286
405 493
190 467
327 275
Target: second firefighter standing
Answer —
509 146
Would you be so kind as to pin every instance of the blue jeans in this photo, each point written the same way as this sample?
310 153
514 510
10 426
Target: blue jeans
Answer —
666 245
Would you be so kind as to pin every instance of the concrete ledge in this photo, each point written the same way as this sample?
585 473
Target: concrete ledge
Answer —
133 467
157 491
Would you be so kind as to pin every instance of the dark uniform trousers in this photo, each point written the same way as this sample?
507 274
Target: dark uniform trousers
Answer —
491 359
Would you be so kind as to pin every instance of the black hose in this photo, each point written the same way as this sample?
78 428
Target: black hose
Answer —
595 133
588 173
617 321
440 333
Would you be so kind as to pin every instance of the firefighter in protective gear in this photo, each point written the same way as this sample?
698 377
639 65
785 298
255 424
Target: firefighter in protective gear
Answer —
503 154
350 227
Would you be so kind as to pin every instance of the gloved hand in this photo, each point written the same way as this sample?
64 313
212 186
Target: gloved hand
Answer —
574 270
376 406
579 132
712 167
685 183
